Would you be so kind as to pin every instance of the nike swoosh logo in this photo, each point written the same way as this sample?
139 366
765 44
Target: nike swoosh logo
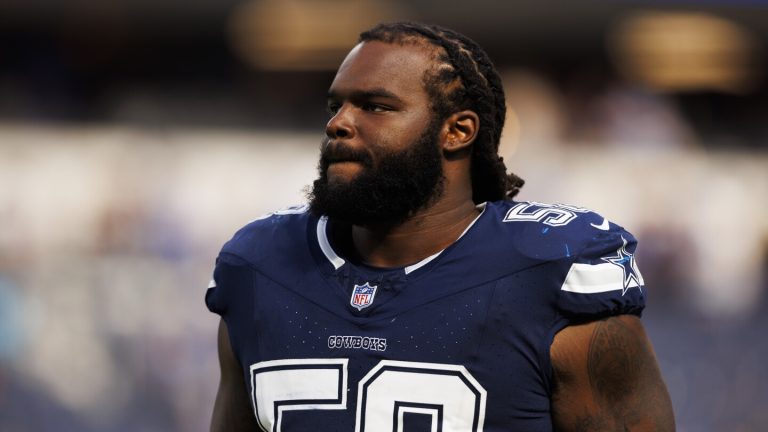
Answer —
603 226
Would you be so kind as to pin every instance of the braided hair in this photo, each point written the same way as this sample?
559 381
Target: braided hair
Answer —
463 78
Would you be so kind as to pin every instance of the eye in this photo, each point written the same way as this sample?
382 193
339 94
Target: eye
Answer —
333 108
375 107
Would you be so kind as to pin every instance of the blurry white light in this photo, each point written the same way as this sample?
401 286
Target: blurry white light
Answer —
302 34
681 51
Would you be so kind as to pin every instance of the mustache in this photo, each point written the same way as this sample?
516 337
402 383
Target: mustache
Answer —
334 151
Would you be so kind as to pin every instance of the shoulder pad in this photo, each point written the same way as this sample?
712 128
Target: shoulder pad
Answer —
262 236
554 231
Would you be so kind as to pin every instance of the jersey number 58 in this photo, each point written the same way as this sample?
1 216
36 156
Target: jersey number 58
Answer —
448 394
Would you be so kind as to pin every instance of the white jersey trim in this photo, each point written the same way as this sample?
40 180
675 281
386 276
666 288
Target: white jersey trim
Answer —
325 245
593 279
425 261
337 261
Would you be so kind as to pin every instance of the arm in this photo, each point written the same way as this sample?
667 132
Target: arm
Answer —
606 379
232 410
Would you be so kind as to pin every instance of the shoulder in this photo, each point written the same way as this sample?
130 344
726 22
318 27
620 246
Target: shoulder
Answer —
268 233
547 232
264 244
591 260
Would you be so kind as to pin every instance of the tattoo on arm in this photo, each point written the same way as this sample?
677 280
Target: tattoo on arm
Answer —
625 379
611 358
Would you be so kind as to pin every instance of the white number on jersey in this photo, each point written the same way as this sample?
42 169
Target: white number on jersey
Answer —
549 214
448 394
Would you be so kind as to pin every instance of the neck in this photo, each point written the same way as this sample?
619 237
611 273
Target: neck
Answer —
424 234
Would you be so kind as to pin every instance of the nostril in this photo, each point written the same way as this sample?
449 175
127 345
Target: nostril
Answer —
341 133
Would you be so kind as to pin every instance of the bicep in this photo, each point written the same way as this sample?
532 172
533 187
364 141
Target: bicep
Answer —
606 378
232 410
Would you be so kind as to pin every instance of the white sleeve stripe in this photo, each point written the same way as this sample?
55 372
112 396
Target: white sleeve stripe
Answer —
212 284
592 279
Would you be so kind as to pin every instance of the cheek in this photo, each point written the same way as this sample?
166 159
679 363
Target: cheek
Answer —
393 136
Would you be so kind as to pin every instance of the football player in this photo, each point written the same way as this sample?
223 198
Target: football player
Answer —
413 293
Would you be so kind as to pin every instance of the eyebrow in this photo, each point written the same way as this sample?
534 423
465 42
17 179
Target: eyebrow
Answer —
366 94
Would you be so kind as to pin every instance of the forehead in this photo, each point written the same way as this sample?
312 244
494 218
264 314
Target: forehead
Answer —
399 69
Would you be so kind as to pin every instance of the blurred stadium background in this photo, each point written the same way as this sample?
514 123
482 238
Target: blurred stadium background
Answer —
137 136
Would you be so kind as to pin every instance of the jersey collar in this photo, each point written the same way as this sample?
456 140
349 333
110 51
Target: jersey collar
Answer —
337 261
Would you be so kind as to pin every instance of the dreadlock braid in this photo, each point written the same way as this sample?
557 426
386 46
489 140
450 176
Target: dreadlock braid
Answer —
463 78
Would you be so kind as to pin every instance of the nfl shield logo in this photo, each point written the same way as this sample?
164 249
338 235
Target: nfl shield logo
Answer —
362 296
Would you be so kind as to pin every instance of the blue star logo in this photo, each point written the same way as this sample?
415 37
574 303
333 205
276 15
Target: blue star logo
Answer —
626 261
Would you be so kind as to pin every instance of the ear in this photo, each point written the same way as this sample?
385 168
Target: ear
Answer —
461 130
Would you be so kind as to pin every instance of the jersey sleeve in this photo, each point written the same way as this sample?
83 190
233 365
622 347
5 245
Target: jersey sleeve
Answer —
230 292
231 280
603 278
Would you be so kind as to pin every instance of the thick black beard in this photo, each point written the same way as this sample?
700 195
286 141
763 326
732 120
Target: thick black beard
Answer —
399 185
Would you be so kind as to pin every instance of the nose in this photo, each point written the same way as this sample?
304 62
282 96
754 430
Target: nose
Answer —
341 125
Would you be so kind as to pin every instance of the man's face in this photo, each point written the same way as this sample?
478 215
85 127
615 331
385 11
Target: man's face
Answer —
381 159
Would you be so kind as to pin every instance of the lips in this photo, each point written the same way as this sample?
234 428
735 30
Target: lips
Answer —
336 160
335 153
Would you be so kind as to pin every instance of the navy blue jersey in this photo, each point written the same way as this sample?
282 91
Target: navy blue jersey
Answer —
457 342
